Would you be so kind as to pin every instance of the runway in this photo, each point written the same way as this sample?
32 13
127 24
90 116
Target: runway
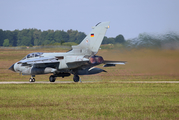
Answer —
70 82
38 82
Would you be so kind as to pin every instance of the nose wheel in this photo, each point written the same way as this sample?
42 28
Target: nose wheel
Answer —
32 80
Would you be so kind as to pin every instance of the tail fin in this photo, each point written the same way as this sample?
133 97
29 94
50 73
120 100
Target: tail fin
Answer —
91 43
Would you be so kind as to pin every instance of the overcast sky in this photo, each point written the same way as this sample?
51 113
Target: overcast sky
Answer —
127 17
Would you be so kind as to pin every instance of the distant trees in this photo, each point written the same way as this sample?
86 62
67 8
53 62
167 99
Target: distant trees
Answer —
24 38
35 37
11 36
75 36
119 39
108 40
2 37
6 43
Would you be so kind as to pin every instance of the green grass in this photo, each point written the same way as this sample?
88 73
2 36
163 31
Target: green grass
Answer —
89 101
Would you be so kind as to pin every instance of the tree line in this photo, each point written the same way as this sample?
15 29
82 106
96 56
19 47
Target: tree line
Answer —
35 37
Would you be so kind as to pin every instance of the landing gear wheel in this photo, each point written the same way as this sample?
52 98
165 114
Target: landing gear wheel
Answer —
76 78
52 78
32 80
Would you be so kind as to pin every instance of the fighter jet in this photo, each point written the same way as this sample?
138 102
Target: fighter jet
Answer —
80 60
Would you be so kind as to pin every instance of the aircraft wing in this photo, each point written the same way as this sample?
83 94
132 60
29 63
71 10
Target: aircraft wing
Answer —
39 60
113 63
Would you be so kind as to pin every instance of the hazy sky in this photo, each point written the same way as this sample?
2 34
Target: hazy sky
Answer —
127 17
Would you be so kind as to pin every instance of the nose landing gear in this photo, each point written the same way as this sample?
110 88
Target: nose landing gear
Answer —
32 79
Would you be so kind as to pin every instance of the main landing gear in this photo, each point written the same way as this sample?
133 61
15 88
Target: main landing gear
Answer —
32 79
52 78
76 78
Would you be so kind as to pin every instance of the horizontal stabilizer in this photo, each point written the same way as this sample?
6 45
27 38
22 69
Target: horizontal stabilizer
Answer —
109 65
113 63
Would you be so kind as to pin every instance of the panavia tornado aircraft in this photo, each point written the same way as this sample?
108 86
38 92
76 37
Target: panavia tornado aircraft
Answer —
80 60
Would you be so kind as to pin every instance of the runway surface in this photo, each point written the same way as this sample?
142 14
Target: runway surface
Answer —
68 82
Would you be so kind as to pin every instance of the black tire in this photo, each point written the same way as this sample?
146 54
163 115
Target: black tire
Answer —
33 79
52 78
76 78
30 80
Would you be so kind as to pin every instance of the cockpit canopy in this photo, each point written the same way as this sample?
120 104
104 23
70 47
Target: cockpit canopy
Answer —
32 55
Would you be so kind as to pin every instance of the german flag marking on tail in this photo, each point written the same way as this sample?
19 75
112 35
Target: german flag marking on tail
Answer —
92 35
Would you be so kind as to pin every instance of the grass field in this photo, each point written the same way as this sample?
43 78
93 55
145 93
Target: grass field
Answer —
89 101
107 98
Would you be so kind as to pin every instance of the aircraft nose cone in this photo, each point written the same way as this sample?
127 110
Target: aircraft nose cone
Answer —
12 68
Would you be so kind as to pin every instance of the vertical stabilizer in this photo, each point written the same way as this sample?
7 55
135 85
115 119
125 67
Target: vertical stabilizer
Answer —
92 42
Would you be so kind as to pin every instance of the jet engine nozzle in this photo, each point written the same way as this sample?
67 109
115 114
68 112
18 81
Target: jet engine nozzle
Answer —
96 60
